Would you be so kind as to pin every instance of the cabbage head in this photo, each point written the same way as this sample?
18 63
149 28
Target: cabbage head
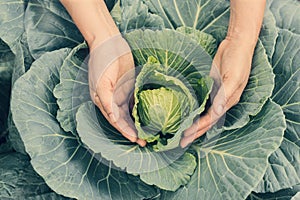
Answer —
163 104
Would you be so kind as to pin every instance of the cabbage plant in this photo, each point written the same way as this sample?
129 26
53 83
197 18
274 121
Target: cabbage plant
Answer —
56 144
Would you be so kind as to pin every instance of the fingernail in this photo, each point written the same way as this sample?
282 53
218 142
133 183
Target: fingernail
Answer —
142 143
184 143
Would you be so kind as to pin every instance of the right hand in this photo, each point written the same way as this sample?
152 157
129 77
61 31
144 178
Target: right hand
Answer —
230 71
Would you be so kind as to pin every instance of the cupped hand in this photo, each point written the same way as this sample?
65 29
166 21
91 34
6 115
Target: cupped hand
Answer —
111 80
230 71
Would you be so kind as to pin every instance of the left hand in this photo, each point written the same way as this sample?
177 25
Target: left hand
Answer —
230 71
111 80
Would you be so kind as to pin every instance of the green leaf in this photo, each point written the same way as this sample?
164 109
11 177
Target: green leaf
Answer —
168 170
11 20
48 196
179 54
284 169
49 27
162 110
286 14
135 15
191 102
20 181
285 194
205 40
116 13
296 196
210 16
231 165
268 32
73 89
58 156
21 64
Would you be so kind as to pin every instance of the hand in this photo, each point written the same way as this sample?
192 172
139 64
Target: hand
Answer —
111 79
230 71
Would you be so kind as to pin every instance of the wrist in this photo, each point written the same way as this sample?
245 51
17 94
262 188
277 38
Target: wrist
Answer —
239 44
245 21
244 39
101 37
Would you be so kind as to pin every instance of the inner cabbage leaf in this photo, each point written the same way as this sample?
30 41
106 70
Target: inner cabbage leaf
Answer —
164 104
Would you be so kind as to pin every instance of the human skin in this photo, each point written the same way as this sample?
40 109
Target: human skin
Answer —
231 64
97 27
230 70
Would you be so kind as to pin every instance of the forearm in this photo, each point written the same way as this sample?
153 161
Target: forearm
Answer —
92 19
245 22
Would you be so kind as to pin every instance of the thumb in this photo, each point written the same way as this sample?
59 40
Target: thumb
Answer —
215 112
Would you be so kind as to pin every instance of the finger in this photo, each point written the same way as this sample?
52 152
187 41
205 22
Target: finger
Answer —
141 142
123 127
126 129
203 121
227 96
186 140
124 88
212 115
99 105
220 105
107 105
126 124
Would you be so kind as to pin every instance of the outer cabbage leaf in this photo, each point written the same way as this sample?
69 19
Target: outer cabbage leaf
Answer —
49 27
58 156
296 196
135 15
286 14
207 41
22 63
12 67
181 56
268 32
73 88
116 13
284 169
20 181
231 165
210 16
11 20
168 170
285 194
